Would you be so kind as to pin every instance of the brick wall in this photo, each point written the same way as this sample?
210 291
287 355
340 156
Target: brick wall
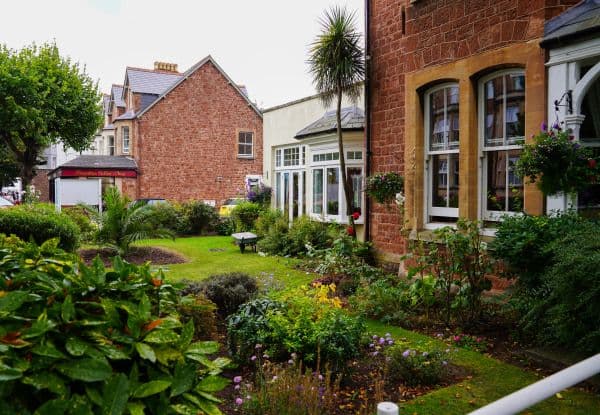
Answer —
405 38
42 184
187 143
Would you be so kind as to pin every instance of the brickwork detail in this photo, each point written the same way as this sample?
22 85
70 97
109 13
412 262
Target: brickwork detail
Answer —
186 144
42 185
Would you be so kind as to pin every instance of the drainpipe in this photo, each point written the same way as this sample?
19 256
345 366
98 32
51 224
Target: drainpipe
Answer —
367 118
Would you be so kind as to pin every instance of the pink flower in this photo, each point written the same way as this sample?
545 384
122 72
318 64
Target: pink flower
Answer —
239 401
237 379
253 358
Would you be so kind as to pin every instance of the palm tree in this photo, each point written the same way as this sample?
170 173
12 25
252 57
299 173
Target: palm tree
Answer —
337 66
123 222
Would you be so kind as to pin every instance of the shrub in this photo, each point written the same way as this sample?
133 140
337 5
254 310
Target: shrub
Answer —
201 311
311 323
78 339
79 215
416 368
225 226
170 216
200 217
385 299
249 327
40 223
244 215
524 244
229 291
260 194
307 232
274 228
566 311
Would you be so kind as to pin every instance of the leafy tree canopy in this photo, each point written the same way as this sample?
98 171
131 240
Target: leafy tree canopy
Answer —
44 98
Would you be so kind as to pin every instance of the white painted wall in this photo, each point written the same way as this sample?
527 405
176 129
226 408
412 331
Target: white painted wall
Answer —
281 123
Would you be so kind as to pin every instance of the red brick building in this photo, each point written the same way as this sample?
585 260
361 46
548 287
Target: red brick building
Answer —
194 135
455 87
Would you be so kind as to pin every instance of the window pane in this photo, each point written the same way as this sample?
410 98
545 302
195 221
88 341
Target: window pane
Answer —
504 189
278 190
494 112
286 193
355 175
333 188
278 158
588 200
318 191
444 180
515 108
437 120
452 116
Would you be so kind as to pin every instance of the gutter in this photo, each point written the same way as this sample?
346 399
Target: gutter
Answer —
367 214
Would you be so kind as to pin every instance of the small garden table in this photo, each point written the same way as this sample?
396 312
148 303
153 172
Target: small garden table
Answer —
245 238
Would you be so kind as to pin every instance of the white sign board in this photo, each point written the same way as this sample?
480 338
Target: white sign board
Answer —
74 191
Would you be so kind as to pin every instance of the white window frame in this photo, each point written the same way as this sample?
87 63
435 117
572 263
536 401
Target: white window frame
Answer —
484 213
125 142
333 163
111 145
251 144
431 210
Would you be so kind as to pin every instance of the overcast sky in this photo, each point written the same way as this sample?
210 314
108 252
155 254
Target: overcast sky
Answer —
262 44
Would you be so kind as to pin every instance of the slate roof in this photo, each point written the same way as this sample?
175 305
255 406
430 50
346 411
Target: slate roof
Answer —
577 22
101 162
129 115
146 81
117 95
353 119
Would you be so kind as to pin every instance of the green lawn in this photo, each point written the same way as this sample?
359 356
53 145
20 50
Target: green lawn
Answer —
491 379
217 254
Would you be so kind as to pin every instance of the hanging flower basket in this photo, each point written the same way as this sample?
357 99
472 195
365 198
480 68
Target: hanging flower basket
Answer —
383 187
557 163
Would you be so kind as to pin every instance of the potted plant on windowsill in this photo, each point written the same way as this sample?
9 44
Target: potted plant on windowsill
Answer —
558 163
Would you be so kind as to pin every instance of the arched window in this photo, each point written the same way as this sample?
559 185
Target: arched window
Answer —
502 134
442 153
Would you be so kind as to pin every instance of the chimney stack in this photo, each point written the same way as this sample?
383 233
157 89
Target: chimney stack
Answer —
165 66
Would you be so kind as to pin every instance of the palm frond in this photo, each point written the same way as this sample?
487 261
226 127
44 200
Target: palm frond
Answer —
336 58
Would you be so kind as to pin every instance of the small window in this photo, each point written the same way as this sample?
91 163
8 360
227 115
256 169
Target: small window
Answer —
291 156
125 133
354 155
278 158
326 157
111 145
317 191
245 144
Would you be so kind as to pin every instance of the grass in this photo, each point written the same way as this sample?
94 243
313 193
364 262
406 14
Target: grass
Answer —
490 379
211 255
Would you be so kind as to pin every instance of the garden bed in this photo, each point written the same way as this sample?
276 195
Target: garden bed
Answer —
137 255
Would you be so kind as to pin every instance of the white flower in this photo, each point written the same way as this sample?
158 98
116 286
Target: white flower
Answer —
400 199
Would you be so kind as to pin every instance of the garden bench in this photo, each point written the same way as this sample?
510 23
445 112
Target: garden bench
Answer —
245 238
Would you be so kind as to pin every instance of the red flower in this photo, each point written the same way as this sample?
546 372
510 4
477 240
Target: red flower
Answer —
592 163
355 215
350 230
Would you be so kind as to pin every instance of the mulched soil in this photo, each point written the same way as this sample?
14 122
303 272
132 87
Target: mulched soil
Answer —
137 255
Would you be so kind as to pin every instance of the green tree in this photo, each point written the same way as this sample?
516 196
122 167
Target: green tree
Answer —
336 61
9 168
123 222
44 98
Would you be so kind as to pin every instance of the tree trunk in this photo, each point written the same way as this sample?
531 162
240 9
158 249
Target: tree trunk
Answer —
346 185
29 162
